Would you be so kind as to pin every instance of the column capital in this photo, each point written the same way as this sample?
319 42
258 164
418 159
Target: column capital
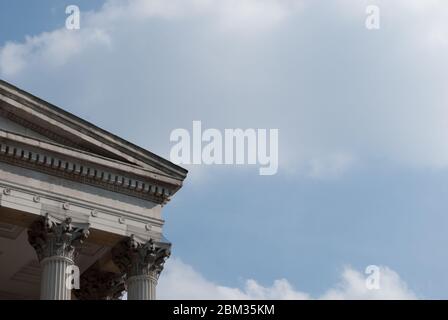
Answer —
135 258
51 237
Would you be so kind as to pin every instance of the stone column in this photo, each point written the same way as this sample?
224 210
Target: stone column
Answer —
98 284
142 262
56 243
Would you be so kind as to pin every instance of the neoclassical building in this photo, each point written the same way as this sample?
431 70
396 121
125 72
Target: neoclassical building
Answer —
75 199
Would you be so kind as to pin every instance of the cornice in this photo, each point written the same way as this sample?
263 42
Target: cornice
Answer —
20 101
41 130
85 168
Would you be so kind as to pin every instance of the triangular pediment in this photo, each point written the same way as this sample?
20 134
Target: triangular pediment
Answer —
26 115
11 126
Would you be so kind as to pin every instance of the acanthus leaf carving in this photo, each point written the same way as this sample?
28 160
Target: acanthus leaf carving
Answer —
51 237
136 258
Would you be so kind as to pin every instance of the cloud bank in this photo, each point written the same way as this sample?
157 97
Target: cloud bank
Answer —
181 281
341 96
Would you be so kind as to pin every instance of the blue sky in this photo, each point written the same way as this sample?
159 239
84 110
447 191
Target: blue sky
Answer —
21 18
362 117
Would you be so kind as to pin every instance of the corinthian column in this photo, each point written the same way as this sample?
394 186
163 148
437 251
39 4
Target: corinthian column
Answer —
98 284
56 243
142 262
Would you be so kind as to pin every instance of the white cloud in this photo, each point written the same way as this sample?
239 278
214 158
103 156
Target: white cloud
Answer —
353 287
12 59
337 93
58 46
426 21
253 15
239 15
331 165
52 49
181 281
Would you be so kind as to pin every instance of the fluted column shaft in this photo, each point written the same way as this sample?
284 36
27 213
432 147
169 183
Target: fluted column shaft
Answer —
56 243
53 279
142 262
142 287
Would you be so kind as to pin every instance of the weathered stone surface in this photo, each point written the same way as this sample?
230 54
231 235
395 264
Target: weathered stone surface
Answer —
97 284
135 258
61 176
50 237
142 262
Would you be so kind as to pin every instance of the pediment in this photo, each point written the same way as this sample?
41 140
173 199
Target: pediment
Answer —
30 121
11 126
23 113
